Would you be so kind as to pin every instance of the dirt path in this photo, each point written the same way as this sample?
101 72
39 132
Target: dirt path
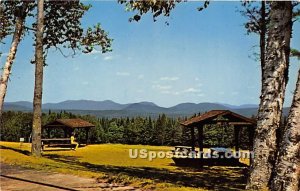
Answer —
15 178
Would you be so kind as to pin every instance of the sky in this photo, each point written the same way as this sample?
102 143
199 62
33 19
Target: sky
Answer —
199 57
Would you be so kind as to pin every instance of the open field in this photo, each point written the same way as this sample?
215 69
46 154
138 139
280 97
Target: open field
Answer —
111 162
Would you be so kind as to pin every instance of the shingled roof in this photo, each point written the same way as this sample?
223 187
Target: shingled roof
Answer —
71 123
213 114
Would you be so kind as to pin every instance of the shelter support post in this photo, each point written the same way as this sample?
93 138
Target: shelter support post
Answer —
236 137
48 133
200 140
251 137
87 135
193 138
65 133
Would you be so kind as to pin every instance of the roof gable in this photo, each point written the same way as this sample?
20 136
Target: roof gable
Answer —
209 117
71 123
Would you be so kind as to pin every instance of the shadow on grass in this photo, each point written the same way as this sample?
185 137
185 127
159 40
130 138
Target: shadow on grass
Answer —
213 178
24 152
55 150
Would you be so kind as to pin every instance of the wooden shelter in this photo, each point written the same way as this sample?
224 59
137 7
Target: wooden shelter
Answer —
68 126
221 117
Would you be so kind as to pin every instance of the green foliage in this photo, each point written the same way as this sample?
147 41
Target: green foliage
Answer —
9 11
63 28
216 135
136 130
295 53
155 7
253 12
15 126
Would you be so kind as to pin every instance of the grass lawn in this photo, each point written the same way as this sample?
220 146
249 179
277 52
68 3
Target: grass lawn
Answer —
111 162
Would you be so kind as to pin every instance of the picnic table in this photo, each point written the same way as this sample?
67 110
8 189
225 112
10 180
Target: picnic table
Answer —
184 151
57 142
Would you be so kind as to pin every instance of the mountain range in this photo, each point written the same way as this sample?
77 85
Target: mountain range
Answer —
108 108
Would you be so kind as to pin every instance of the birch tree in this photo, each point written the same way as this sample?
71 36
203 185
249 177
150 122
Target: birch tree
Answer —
287 168
275 77
11 13
62 31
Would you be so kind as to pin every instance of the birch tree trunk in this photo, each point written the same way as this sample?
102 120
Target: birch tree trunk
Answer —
19 28
275 76
38 88
287 169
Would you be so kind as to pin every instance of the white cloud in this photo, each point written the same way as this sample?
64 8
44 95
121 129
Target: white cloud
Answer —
98 52
252 98
169 92
123 74
107 58
191 90
165 92
197 79
169 78
161 87
141 76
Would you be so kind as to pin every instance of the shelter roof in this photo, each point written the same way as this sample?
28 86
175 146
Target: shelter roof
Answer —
213 115
71 123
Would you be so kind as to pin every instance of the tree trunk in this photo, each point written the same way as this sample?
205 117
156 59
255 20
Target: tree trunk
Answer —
287 169
38 88
275 76
19 28
262 39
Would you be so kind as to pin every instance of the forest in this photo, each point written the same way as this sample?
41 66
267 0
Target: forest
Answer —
163 130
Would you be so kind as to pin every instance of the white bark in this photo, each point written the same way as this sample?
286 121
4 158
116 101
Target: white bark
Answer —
274 82
19 27
287 169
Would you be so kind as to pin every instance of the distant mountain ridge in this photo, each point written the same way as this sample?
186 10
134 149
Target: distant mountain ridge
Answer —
111 105
85 105
240 106
108 108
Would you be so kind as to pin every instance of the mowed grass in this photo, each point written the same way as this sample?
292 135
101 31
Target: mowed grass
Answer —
111 163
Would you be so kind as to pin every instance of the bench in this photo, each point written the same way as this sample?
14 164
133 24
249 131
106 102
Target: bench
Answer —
184 151
58 142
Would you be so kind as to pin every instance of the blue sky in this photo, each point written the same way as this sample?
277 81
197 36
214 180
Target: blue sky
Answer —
199 57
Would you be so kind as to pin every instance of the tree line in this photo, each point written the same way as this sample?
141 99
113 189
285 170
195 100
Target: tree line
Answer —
161 131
